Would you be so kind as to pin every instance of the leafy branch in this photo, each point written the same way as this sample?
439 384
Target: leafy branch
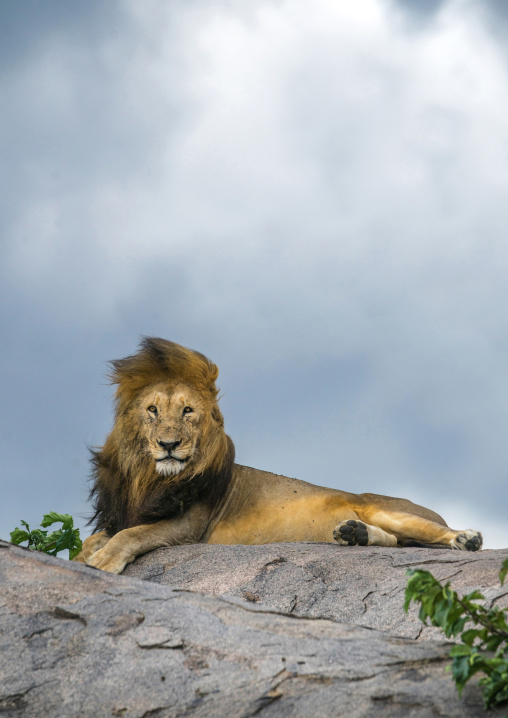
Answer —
484 648
61 539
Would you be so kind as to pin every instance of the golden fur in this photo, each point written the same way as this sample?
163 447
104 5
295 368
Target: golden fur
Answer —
166 476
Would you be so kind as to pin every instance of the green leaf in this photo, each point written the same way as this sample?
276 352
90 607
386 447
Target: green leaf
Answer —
460 671
503 571
52 517
459 650
38 538
78 545
54 536
65 540
469 636
493 643
473 596
18 536
457 626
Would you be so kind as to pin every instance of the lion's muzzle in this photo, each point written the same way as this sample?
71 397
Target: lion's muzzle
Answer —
168 445
171 457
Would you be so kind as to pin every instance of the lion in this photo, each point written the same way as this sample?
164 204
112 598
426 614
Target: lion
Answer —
166 476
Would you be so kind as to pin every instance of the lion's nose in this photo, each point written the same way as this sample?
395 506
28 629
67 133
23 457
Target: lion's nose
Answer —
168 445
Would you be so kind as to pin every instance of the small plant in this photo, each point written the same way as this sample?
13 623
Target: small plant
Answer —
65 538
484 648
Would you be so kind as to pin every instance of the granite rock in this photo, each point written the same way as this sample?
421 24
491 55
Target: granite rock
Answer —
363 585
76 642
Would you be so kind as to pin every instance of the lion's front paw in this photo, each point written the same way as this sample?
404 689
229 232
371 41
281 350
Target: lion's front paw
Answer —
351 533
91 545
107 560
468 540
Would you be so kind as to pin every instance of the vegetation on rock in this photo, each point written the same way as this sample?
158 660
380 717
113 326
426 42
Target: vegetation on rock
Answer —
483 632
61 539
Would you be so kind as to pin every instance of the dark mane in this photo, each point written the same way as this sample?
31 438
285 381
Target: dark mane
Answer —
171 500
110 495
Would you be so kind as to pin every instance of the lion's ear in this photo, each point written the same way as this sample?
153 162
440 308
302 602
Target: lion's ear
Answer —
214 372
217 415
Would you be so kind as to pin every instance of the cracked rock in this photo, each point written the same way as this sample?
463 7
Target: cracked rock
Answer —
78 643
363 585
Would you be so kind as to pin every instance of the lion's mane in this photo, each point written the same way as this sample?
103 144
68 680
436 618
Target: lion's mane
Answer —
126 490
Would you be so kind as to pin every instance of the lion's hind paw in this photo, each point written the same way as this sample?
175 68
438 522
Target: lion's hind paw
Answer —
351 533
468 540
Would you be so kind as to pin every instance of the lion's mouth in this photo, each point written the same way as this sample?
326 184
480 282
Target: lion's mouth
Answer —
170 465
172 458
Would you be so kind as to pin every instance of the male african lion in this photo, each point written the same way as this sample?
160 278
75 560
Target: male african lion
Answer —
166 476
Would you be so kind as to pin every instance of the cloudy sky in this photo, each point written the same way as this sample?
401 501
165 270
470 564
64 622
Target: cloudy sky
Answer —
312 194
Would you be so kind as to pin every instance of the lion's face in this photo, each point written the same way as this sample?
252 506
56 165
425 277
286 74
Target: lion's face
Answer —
174 421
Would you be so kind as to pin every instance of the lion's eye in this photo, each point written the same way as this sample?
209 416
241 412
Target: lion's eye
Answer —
152 408
188 410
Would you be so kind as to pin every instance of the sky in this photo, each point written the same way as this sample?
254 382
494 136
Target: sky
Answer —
312 195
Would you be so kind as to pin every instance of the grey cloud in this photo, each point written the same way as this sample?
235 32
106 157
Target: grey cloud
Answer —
327 226
27 25
420 13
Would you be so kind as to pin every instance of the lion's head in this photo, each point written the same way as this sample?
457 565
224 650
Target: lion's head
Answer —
174 419
168 447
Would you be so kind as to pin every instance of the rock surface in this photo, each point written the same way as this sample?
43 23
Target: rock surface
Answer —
360 585
75 642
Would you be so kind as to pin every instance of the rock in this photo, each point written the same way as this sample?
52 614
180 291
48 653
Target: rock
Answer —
363 585
75 642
